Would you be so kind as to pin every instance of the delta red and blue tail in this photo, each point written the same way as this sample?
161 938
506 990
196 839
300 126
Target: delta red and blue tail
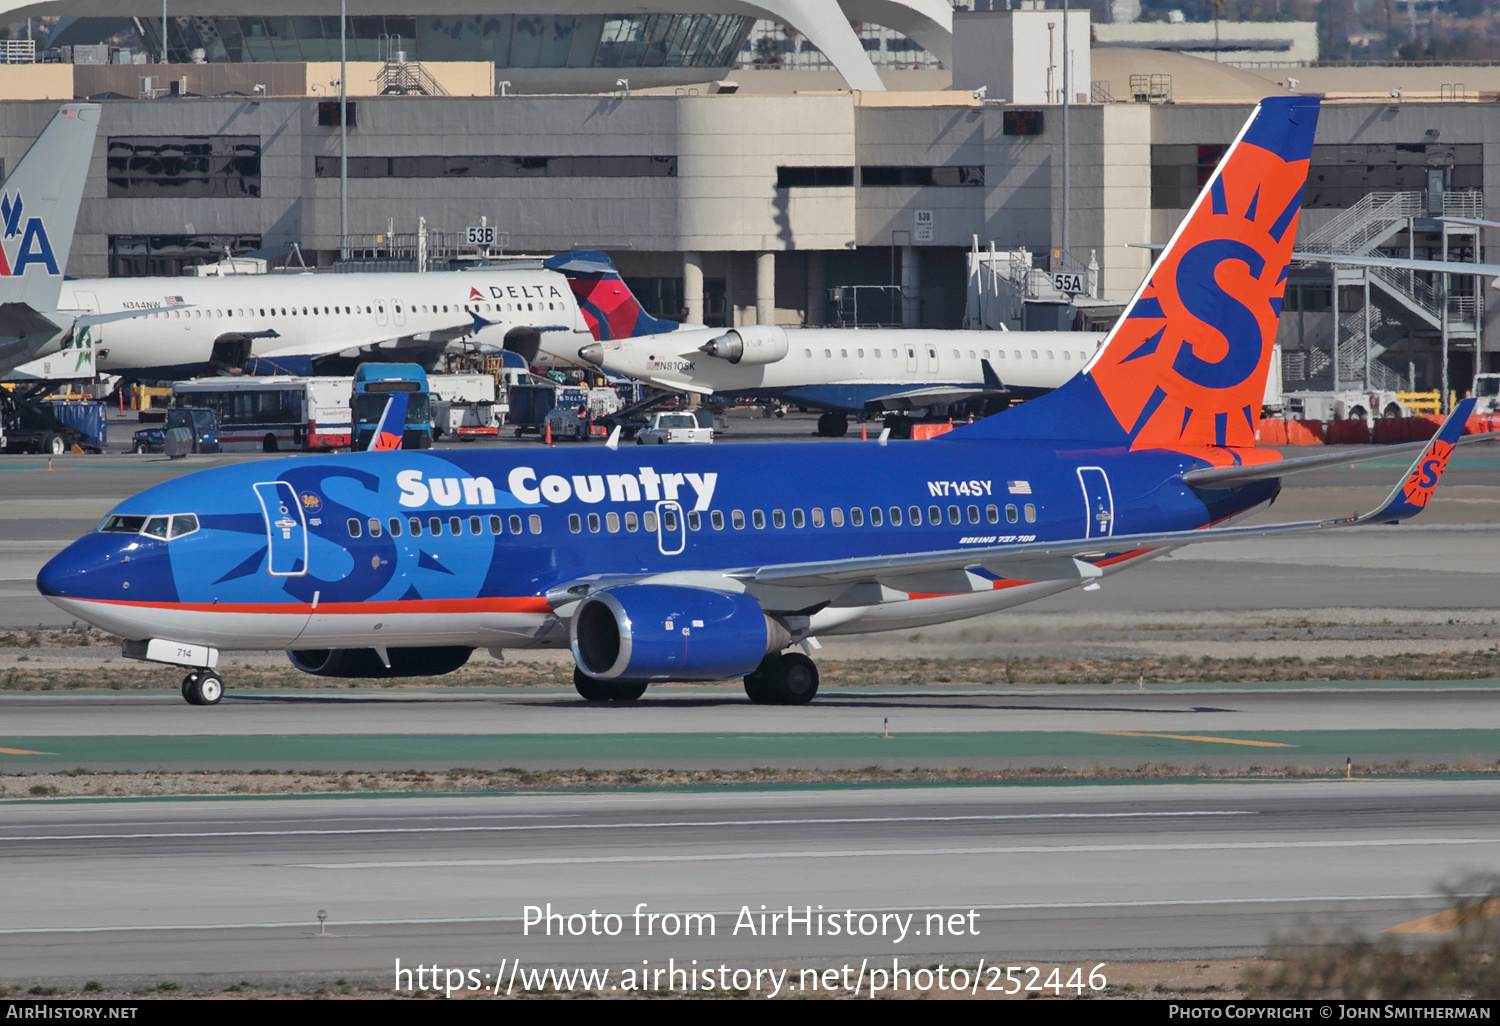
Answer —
1185 367
609 307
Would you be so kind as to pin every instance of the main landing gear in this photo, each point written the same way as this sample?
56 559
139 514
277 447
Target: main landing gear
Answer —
203 687
596 690
833 425
786 679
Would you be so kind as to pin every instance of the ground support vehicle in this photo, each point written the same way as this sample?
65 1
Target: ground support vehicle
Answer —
674 428
28 426
463 406
199 421
374 384
272 414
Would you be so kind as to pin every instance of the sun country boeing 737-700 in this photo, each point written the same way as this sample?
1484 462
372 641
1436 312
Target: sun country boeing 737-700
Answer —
712 562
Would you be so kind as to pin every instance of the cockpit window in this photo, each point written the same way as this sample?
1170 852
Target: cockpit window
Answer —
122 525
163 527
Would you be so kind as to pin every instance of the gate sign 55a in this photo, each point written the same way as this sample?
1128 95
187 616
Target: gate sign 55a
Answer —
1067 281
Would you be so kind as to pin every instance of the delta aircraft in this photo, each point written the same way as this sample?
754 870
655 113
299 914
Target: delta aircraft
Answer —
38 210
712 562
172 328
847 371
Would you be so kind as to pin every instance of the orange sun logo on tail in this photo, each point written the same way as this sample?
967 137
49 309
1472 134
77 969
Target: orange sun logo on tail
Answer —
1423 481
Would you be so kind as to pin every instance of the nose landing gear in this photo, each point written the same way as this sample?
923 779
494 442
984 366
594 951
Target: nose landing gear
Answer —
202 687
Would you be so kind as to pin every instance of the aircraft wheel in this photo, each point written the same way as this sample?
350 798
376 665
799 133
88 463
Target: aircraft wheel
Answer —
206 688
755 685
838 425
592 688
791 679
624 692
268 443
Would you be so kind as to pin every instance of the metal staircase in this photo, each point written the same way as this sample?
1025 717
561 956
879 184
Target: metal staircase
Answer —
407 78
1373 227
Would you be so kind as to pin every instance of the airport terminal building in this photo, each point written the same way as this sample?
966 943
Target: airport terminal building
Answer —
735 194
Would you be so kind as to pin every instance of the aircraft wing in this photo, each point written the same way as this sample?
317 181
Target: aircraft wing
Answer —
1394 263
915 398
1402 264
933 395
439 337
1080 558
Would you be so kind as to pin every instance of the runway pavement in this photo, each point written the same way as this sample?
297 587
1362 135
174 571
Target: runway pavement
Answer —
716 727
172 889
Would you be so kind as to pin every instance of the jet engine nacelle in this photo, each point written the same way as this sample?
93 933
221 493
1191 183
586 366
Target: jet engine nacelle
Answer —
646 632
366 662
753 344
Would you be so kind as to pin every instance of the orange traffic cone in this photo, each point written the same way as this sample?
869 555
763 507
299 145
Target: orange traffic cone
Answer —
549 432
864 433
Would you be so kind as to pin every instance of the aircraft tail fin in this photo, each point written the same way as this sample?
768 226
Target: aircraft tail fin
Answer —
392 424
608 305
39 208
1185 367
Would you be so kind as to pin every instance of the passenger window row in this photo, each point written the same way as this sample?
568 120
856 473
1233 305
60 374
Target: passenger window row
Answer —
632 522
191 312
434 525
856 517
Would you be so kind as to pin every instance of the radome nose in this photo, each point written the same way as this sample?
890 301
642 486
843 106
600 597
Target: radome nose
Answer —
59 573
593 353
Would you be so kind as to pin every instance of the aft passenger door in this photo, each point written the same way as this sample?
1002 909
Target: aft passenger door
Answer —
286 529
671 532
1098 501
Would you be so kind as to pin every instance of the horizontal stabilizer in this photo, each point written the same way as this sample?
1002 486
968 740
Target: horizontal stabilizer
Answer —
1223 477
1048 560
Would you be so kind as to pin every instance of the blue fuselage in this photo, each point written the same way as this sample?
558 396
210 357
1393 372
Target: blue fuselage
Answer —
292 551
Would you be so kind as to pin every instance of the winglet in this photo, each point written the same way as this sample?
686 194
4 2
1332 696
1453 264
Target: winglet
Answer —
990 377
479 322
1415 491
392 425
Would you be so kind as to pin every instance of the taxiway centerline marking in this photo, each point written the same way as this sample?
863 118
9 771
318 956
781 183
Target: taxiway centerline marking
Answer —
1027 849
1196 737
1451 918
616 826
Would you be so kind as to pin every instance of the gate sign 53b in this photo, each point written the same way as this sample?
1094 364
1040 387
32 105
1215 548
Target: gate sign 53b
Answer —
1067 281
480 235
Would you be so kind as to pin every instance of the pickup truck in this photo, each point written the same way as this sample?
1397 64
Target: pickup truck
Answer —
674 428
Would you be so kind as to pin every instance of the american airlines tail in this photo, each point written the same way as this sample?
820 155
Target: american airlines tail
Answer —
38 212
609 307
1185 367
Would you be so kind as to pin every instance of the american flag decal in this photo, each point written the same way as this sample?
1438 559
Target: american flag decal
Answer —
174 300
1019 487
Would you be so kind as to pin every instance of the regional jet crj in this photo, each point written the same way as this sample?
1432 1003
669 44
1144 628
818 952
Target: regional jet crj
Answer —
711 562
850 370
284 323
